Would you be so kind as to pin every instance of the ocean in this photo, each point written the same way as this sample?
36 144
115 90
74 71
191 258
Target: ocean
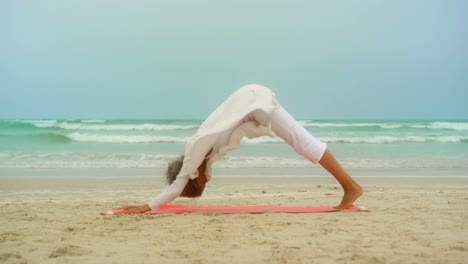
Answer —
370 145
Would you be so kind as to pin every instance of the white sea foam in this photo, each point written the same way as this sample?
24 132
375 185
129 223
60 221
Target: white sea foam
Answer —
321 124
262 162
352 125
93 121
123 127
391 139
40 123
152 160
136 160
76 136
83 137
261 140
5 155
462 126
390 126
85 160
98 124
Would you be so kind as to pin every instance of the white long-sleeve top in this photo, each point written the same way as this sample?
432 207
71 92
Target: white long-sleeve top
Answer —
222 131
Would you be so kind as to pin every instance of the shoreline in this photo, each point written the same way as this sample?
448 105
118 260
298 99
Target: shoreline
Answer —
143 188
234 172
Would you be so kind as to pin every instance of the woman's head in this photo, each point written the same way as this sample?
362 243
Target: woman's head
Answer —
195 187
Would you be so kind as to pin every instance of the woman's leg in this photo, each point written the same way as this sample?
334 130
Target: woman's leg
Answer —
286 127
352 190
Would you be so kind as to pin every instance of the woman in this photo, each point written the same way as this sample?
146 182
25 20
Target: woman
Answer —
252 111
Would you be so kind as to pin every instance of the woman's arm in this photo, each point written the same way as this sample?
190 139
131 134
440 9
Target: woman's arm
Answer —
170 193
166 196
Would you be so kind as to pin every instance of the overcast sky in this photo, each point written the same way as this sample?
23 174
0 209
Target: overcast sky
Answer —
329 59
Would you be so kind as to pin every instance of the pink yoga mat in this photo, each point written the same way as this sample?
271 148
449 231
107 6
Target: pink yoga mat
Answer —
251 209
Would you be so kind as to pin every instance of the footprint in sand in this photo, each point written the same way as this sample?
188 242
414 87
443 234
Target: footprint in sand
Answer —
74 229
458 248
5 256
8 236
68 250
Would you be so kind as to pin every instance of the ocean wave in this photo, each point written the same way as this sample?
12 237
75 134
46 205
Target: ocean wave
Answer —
261 162
350 163
93 121
82 137
459 126
84 160
153 160
100 124
39 123
321 124
390 139
369 140
44 138
122 127
76 136
358 125
59 137
101 138
263 140
134 160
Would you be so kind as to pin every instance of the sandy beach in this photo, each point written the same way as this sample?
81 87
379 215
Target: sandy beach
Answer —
56 220
275 100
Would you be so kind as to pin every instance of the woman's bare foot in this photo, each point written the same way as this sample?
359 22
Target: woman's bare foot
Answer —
350 196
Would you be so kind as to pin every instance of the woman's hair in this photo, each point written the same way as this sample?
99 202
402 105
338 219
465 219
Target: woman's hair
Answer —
192 189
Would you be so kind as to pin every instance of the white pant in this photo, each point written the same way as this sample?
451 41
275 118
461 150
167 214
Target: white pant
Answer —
287 128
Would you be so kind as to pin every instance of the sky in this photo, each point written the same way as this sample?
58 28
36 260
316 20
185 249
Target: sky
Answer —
107 59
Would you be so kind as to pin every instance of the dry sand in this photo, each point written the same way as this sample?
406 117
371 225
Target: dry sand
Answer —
56 220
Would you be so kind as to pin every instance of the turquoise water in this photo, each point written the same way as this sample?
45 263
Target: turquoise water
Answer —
364 145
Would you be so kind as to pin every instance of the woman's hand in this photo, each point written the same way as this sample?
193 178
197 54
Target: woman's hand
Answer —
139 209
